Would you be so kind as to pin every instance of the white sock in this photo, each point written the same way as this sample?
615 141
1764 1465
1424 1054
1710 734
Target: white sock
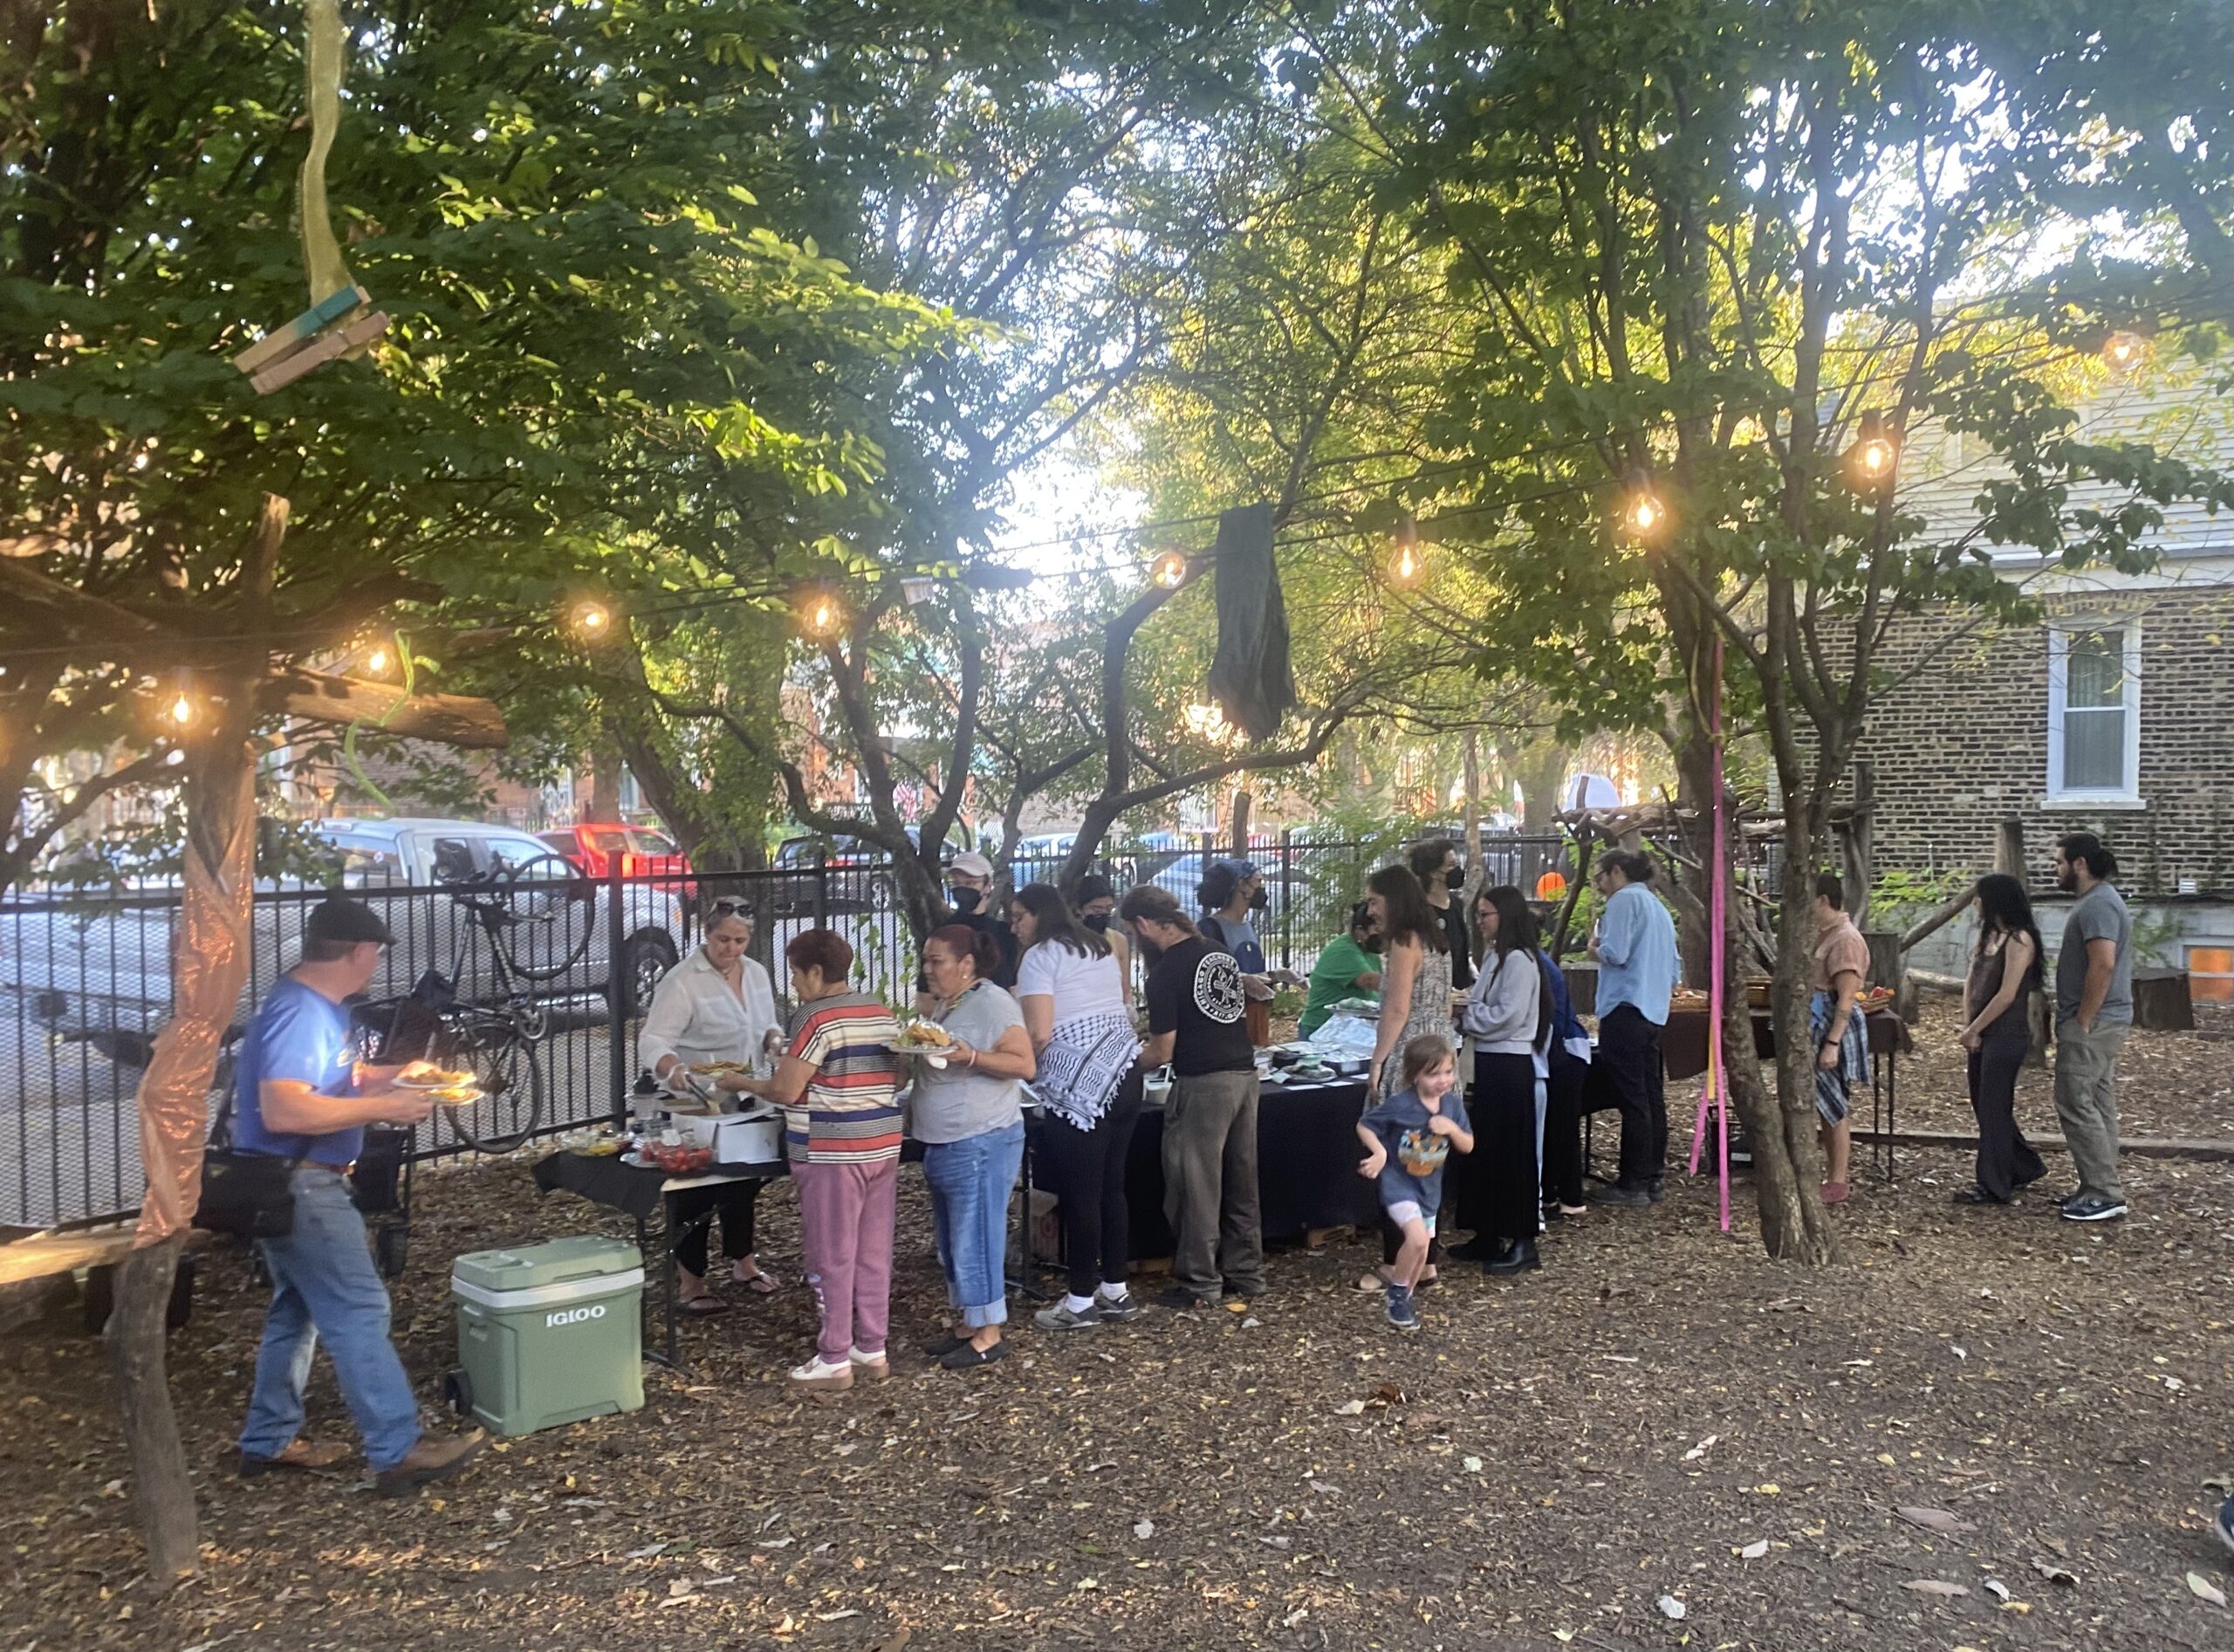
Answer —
1114 1292
1077 1304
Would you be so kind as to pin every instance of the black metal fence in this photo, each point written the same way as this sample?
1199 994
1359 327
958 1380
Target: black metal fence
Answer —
540 987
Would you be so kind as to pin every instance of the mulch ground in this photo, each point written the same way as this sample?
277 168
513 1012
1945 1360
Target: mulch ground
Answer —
1661 1421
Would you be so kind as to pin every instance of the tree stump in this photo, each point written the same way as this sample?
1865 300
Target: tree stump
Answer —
1582 986
2161 1001
162 1487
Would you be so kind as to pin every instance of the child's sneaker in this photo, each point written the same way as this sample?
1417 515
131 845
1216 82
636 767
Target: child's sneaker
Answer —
1402 1314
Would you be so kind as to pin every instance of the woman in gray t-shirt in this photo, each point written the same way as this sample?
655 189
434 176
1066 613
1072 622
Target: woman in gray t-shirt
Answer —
969 1114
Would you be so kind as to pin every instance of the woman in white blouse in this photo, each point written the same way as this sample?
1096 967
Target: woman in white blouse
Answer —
715 1006
1071 988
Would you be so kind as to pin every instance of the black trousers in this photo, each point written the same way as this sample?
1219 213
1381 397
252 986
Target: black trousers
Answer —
1503 1106
2006 1161
1563 1128
1628 1063
695 1210
1086 1170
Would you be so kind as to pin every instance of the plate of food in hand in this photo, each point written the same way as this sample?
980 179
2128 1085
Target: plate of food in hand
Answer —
715 1069
456 1095
926 1038
425 1075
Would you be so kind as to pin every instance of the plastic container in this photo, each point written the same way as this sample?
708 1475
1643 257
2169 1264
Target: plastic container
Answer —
549 1334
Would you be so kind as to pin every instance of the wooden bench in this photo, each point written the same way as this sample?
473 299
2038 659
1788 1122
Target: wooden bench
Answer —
24 1263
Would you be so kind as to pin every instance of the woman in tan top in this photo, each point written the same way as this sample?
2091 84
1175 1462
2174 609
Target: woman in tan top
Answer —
1834 1019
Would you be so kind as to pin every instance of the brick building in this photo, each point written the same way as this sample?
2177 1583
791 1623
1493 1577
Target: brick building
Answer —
2114 713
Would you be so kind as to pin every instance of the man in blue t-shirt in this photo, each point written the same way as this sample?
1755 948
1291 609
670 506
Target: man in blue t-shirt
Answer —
1637 971
301 1094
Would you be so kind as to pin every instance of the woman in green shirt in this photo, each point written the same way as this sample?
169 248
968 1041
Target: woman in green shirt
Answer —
1346 969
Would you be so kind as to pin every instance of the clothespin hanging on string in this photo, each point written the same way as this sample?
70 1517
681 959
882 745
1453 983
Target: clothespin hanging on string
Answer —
317 336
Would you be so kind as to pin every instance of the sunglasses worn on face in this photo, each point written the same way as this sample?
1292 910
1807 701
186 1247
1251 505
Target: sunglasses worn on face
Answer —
731 908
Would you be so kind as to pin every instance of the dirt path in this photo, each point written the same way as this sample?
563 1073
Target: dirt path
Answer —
1539 1467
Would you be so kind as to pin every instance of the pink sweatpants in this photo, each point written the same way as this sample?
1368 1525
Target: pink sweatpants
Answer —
846 1217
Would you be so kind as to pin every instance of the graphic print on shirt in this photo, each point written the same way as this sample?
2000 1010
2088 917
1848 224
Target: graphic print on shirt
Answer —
1217 988
1421 1152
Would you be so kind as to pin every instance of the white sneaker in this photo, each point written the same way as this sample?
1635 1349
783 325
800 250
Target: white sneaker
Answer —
819 1373
874 1366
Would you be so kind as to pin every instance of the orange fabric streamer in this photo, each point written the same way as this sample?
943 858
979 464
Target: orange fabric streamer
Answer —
209 968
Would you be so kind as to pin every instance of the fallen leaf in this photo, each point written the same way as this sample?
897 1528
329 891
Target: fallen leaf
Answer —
1755 1550
1769 1489
2055 1573
1563 1635
1388 1393
1295 1617
2022 1609
2204 1589
1349 1407
1144 1529
1934 1585
1473 1465
646 1553
1931 1519
1673 1609
1236 1307
833 1617
1996 1588
1700 1449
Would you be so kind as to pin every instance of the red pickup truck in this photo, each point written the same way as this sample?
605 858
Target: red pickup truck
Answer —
644 852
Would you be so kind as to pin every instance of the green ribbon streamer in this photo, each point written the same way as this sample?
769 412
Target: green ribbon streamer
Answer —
349 735
322 259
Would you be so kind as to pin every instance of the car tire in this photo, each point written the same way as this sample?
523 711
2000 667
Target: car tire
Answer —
648 955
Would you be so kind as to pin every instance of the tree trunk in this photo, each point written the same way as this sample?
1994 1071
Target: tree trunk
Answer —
605 778
1237 838
163 1489
1802 1230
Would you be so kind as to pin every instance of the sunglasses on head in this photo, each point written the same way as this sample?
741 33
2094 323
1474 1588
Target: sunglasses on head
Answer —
732 907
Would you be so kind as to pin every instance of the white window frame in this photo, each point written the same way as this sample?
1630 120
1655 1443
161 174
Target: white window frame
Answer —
2126 796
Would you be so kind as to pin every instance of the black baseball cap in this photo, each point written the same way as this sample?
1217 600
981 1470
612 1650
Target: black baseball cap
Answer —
339 918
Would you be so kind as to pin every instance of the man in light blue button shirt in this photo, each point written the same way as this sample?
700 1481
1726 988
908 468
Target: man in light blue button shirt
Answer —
1637 970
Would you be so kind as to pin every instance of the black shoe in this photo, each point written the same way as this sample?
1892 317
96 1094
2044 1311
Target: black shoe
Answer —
1247 1289
939 1348
1655 1191
1627 1198
2224 1523
966 1358
2071 1198
2094 1208
1480 1248
1518 1259
1180 1300
1977 1195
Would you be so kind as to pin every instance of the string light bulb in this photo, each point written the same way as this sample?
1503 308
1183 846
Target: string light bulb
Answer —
2122 349
181 710
592 619
1875 452
376 662
1169 570
1405 566
1642 514
819 614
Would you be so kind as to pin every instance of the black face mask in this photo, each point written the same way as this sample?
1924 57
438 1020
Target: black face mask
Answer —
1260 901
964 900
1097 921
1455 878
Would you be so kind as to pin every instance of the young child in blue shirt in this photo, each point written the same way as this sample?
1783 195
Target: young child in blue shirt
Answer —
1407 1138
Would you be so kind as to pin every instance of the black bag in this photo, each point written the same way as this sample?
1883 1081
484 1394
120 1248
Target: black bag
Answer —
245 1194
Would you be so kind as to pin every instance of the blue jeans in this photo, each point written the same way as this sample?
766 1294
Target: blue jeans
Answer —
971 1180
323 1284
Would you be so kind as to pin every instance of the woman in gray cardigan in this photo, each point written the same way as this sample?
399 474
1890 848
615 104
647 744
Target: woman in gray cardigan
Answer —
1503 1020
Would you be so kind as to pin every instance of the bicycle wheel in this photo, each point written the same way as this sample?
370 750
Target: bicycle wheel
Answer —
510 1069
547 912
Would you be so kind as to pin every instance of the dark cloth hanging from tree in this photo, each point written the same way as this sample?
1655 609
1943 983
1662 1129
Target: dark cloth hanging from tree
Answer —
1250 679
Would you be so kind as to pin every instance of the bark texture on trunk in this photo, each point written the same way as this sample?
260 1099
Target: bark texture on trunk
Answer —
163 1489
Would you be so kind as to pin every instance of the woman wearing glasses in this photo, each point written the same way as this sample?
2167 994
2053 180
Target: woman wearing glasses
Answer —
715 1006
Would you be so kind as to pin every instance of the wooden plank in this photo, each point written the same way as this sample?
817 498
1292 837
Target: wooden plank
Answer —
290 368
290 336
54 1253
2206 1149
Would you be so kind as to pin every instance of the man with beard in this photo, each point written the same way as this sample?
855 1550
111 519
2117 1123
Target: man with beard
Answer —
2093 1014
1196 1003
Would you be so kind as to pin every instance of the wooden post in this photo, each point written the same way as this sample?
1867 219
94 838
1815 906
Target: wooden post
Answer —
1861 858
2009 848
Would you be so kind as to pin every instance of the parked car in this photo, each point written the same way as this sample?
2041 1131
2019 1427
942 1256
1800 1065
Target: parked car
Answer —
96 966
843 874
641 852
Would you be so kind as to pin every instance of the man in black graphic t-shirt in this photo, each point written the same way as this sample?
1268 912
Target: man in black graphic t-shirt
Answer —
1195 1003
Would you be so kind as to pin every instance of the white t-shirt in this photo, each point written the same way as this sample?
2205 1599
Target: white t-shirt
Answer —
1080 985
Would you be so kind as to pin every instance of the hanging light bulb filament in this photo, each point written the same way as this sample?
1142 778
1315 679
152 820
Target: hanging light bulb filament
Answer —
591 618
182 710
1875 452
2122 349
1404 568
1169 570
1643 514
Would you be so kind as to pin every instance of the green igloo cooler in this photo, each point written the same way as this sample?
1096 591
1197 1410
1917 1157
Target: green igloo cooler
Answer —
549 1334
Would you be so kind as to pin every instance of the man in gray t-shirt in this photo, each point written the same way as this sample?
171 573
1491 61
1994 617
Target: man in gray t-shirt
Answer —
2093 1014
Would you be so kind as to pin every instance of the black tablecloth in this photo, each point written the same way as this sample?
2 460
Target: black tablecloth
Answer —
634 1189
1307 1154
1683 1040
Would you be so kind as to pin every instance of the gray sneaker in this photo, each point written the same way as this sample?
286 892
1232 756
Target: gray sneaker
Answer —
1115 1310
2092 1207
1061 1317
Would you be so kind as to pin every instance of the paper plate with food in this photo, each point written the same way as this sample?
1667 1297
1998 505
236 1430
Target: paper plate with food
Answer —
425 1075
925 1038
457 1095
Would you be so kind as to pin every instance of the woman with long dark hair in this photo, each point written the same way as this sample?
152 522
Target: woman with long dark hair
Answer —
1414 980
1505 1024
1071 988
1997 1034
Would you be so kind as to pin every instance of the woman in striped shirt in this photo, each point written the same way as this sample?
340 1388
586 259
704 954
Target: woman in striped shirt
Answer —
838 1084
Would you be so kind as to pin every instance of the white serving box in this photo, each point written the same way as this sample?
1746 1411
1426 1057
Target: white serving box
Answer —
736 1138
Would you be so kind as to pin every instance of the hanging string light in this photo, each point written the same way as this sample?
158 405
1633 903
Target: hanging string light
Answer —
1875 453
820 613
2123 350
1170 569
592 619
183 710
1642 514
1405 565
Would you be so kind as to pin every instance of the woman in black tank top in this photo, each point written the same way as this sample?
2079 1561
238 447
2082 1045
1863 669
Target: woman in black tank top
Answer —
1998 1033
